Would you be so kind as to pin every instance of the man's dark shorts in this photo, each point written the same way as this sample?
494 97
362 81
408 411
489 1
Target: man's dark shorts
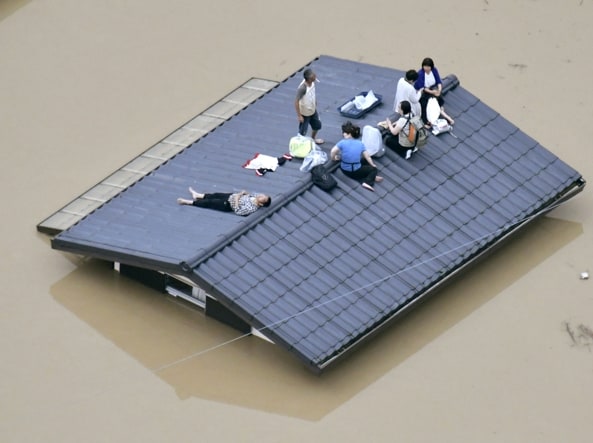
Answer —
312 120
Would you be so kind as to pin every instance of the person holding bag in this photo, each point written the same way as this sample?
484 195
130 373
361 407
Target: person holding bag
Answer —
430 84
398 135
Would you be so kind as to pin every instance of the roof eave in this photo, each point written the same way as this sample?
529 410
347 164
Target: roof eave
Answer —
569 193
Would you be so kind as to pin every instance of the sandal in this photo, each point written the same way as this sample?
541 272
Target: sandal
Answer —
367 186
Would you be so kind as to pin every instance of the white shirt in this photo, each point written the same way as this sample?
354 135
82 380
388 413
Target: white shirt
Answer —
429 80
406 91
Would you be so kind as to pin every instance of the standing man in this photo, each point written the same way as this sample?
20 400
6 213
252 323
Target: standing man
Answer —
306 106
406 91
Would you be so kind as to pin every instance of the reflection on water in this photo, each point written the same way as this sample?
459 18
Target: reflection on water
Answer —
163 333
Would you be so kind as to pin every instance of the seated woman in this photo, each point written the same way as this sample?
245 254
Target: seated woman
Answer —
355 161
241 203
430 84
397 137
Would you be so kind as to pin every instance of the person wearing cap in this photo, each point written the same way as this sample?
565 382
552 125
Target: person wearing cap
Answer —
241 203
305 105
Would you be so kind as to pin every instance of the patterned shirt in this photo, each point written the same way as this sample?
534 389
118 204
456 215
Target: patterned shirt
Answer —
247 204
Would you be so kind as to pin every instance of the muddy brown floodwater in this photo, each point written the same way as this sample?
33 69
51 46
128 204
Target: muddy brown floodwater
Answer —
504 354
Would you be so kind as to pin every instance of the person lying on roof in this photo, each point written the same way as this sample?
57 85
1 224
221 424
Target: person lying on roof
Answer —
241 203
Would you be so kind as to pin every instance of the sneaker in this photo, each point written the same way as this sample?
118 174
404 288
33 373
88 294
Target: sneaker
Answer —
367 186
408 154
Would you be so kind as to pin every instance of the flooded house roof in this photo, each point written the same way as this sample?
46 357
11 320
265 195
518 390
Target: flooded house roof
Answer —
318 272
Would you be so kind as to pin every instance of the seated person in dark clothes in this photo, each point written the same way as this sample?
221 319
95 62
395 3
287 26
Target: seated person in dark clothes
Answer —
241 203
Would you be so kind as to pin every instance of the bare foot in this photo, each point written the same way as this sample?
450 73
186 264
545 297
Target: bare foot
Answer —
447 117
378 179
195 195
183 201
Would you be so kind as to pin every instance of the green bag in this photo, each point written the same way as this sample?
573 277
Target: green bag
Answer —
300 146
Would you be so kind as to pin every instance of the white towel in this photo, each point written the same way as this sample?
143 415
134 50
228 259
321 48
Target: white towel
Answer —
262 161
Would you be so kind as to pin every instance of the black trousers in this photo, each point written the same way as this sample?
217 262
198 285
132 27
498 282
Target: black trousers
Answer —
216 200
366 173
392 142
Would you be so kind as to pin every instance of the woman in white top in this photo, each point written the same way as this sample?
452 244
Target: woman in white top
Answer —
430 84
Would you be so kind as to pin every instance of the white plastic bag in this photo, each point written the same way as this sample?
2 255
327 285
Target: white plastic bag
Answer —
359 102
372 141
440 126
370 99
315 157
433 110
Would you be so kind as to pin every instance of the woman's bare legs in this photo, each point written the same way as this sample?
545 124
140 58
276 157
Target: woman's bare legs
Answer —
447 116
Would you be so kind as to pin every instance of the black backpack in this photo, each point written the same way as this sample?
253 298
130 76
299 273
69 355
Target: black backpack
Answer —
322 178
